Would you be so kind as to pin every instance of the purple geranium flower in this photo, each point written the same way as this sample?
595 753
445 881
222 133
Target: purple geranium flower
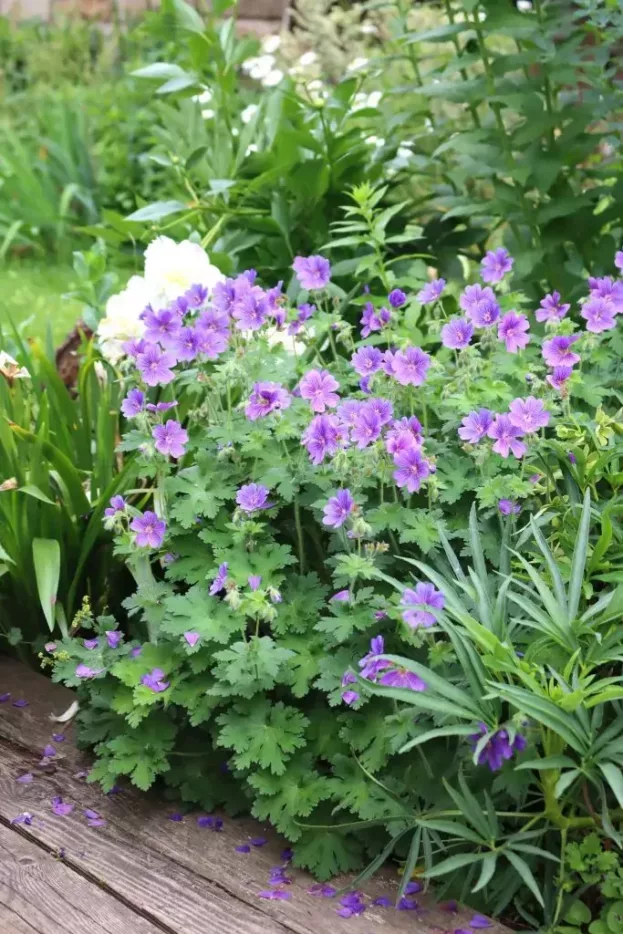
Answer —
367 360
170 438
366 426
618 259
342 596
608 289
160 406
134 347
431 291
484 314
401 678
559 376
506 437
214 321
424 595
254 582
508 507
188 343
479 921
133 404
528 414
557 351
318 387
252 310
473 294
497 749
162 326
113 638
85 671
338 509
192 638
373 320
304 313
599 315
313 272
252 497
25 779
410 366
512 329
220 580
91 644
117 504
155 365
457 333
496 264
349 697
266 398
154 680
323 436
149 530
382 408
412 469
196 295
551 308
475 426
396 298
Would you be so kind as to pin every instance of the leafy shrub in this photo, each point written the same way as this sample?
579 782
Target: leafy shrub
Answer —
294 450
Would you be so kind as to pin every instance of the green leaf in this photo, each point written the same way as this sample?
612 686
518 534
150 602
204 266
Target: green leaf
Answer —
263 734
548 762
36 493
525 872
160 70
156 211
46 554
451 863
614 777
578 564
489 863
187 17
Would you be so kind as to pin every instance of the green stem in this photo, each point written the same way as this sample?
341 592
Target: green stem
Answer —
299 534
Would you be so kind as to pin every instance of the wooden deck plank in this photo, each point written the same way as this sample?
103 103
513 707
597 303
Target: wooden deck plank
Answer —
44 895
138 825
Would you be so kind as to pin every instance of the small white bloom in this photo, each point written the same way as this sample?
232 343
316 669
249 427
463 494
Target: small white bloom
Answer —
207 114
258 68
272 78
314 85
11 368
307 59
524 6
270 44
356 64
171 268
368 29
204 98
248 113
361 101
376 141
252 147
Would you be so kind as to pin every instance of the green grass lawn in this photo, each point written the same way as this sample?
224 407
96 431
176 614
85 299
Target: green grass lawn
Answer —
31 294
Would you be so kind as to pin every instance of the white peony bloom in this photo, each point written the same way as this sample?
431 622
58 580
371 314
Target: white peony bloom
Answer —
272 78
270 44
248 113
307 59
122 322
171 268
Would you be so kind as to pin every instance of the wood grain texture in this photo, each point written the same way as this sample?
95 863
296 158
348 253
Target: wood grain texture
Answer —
42 894
139 829
111 857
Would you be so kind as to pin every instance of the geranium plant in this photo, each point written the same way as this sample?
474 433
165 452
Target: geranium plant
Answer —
294 448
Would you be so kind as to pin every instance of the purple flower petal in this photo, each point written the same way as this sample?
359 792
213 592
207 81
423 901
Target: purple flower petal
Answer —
60 807
258 841
412 888
206 821
322 891
90 814
20 703
97 822
23 818
287 854
407 904
177 817
58 737
275 895
243 848
452 906
5 697
49 752
383 901
479 921
25 779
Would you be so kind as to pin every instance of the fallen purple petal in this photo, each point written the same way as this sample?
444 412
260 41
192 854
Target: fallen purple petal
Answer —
258 841
205 821
479 921
177 817
383 901
323 891
58 737
24 818
275 895
98 822
49 752
20 703
243 848
115 790
5 697
452 906
90 814
25 779
60 807
461 931
287 854
407 904
82 773
412 888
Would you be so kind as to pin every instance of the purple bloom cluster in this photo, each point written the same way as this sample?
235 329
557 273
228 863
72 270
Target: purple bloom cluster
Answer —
117 505
424 598
155 681
266 398
380 670
498 747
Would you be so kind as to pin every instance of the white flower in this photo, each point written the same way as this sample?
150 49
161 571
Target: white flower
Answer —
272 78
204 98
171 268
307 58
361 100
377 141
314 85
368 29
356 64
258 68
11 368
207 114
122 322
270 44
248 113
524 6
252 147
